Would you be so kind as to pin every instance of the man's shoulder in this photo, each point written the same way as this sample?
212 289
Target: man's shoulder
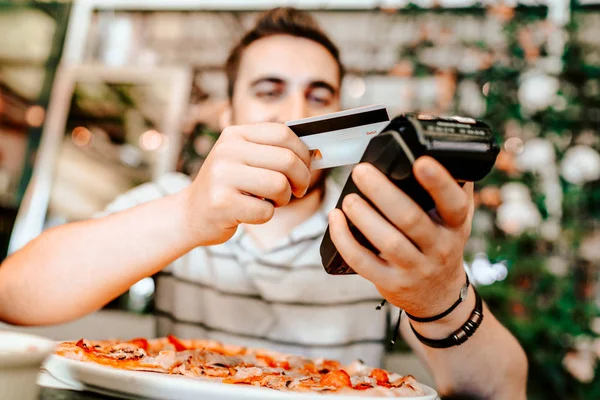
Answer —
168 184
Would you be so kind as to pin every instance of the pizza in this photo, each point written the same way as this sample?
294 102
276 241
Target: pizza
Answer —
237 365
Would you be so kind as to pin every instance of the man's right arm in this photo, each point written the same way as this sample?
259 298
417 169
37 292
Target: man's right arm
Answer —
77 268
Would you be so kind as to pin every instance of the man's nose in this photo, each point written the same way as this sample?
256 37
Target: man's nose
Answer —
295 107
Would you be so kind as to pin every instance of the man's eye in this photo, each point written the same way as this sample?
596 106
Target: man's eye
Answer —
320 97
319 100
267 94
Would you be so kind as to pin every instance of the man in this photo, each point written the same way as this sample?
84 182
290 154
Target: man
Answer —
241 241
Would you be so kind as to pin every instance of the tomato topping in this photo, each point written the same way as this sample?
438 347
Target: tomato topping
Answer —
175 342
381 377
285 365
267 360
331 365
81 343
339 379
310 369
141 343
363 386
273 363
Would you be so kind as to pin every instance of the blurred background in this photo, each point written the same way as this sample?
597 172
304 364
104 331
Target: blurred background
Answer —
97 97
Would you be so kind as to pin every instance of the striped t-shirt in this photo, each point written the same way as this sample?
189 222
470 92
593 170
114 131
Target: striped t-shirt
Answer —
280 298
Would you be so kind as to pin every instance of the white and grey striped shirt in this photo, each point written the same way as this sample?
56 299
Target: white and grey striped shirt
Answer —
280 298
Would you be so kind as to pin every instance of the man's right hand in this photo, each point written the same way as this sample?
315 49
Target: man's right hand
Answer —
251 170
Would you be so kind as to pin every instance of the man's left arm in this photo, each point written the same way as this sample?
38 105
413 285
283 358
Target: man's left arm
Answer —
490 365
420 270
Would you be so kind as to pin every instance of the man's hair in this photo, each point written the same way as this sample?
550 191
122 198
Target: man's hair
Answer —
279 21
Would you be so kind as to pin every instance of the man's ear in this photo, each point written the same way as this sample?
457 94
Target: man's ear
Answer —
226 116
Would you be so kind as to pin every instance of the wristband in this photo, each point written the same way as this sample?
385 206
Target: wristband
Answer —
461 335
464 291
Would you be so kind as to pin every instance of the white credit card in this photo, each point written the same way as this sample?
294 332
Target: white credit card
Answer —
340 138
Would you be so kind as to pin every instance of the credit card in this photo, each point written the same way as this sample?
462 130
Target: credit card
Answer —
340 138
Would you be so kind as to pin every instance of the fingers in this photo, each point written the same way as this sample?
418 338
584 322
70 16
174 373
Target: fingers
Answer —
362 260
248 164
397 207
250 210
262 183
278 159
451 201
272 134
469 189
392 244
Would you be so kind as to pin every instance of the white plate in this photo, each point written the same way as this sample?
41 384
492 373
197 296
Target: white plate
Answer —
149 385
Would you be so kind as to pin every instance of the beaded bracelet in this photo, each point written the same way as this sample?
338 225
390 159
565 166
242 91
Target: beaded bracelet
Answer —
462 334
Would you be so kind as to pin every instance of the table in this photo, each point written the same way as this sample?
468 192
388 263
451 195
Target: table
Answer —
52 389
47 393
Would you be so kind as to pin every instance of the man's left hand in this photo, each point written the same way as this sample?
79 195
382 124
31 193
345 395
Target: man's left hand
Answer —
420 265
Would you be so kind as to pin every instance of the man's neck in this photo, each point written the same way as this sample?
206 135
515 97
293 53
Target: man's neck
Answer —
286 219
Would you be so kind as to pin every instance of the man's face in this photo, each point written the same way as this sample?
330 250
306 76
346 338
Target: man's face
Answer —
282 78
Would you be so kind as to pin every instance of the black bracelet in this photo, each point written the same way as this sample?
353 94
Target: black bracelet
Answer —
464 291
461 335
